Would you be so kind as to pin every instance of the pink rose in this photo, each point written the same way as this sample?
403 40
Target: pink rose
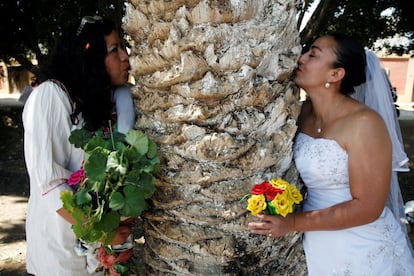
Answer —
76 177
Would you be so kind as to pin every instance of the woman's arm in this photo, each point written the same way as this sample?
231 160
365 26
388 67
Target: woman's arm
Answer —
368 146
125 108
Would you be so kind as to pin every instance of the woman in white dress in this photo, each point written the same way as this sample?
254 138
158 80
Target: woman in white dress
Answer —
343 152
86 67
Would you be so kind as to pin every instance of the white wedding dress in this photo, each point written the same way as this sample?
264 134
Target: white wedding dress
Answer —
377 248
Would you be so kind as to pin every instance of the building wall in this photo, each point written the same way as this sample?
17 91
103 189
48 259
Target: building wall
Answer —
400 71
4 83
13 78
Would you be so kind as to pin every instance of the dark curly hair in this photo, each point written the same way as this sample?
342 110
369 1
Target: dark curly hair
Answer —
350 56
78 62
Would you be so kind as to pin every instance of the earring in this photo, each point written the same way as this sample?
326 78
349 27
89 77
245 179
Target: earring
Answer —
327 85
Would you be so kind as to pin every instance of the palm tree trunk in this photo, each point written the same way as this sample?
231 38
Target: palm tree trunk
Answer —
213 90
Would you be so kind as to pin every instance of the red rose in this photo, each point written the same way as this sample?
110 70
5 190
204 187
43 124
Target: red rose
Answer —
271 192
261 188
266 189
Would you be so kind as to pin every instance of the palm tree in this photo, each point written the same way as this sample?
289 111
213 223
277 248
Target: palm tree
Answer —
213 90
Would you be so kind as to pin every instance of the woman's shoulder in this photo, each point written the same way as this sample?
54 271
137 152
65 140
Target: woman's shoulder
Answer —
50 93
362 114
362 122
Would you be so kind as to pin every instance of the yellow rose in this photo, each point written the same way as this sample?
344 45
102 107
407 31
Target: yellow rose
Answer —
279 183
283 204
295 195
256 204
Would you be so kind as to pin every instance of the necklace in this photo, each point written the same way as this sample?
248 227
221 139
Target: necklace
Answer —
337 103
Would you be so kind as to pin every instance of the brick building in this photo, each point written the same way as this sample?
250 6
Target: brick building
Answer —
400 70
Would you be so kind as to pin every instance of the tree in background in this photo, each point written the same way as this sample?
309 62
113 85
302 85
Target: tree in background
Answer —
367 20
29 28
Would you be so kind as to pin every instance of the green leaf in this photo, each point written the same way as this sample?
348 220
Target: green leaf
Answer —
138 140
96 142
134 202
119 139
79 137
109 222
95 166
117 201
152 149
121 269
144 182
120 146
80 232
96 186
68 200
133 156
82 197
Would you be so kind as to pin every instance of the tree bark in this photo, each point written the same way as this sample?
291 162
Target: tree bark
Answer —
213 90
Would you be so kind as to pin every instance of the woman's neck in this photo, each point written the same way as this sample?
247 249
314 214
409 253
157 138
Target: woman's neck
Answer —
324 110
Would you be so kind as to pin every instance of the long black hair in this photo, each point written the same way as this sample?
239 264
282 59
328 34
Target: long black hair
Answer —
78 62
350 55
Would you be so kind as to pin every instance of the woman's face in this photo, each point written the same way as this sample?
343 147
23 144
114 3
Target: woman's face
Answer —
315 65
117 60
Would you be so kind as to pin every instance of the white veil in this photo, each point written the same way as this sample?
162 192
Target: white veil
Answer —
376 93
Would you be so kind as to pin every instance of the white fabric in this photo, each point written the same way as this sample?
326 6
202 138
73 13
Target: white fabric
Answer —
376 93
377 248
125 108
50 159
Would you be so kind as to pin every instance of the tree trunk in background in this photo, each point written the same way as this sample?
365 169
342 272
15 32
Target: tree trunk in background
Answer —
213 91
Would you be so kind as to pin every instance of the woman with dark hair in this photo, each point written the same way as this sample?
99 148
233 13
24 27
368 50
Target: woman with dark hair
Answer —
343 153
77 91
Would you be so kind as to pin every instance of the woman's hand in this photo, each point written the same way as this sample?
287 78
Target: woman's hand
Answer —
272 226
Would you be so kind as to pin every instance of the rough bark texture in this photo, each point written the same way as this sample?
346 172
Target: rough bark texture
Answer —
213 91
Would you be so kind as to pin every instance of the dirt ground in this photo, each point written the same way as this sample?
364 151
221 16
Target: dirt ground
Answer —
14 186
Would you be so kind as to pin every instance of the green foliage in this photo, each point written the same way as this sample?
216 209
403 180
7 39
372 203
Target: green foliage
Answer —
27 32
367 21
30 28
119 179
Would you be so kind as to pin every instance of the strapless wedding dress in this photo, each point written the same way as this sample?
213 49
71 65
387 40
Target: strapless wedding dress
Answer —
377 248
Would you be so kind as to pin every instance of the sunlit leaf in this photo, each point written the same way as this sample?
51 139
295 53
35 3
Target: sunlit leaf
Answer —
138 140
120 178
152 149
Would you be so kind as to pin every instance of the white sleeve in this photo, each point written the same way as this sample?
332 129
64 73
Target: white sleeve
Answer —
48 153
125 108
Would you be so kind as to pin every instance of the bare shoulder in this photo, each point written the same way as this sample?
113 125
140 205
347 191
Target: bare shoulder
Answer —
362 125
366 118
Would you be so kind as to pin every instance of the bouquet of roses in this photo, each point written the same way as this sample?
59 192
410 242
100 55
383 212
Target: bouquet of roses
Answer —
112 185
277 196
